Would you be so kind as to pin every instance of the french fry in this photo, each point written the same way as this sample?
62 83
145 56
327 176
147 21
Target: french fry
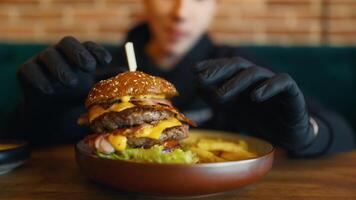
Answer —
210 150
218 145
191 140
206 156
231 156
243 144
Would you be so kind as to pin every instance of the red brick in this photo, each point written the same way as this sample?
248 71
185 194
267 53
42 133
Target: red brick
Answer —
14 33
289 2
40 15
113 38
72 2
99 14
20 2
65 29
13 29
342 39
111 28
341 2
237 21
121 2
5 15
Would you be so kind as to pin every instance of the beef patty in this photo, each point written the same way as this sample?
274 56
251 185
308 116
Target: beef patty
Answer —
174 133
129 117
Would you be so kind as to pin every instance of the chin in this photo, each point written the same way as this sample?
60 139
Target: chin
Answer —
177 49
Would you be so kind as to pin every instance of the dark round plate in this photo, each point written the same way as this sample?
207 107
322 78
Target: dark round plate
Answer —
179 180
13 153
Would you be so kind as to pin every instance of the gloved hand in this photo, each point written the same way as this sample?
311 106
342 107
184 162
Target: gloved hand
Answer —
63 71
261 101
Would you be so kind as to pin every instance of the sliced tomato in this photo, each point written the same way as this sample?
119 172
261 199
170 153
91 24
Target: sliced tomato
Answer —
171 144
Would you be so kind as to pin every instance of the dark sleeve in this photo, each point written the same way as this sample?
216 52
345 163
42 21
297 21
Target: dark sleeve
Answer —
335 134
44 121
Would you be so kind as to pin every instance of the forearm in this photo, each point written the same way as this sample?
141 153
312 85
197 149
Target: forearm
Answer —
44 122
334 135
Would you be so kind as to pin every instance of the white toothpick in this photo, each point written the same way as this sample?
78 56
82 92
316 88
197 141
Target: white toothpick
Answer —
130 54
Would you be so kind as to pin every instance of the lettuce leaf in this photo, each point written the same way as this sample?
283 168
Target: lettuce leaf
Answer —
154 154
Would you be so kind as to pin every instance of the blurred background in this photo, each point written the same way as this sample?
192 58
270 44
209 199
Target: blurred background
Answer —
312 40
262 22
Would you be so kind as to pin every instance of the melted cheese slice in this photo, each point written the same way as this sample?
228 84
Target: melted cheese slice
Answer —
119 142
155 132
97 110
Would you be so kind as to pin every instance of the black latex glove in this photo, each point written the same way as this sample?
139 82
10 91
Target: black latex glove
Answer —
260 101
64 71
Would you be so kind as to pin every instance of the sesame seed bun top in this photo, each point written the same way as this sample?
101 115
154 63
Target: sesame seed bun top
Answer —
129 84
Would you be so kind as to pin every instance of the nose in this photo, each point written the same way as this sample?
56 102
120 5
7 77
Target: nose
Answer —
181 10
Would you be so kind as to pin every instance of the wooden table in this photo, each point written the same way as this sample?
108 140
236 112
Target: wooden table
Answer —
51 173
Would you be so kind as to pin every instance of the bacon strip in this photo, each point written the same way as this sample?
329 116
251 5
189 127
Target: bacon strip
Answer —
83 119
185 119
151 102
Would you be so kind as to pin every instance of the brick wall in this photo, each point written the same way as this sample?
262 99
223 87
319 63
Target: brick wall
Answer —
285 22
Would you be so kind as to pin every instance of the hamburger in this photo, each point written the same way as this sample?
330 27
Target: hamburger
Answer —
133 119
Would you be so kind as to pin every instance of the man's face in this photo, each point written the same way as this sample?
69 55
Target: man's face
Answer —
177 24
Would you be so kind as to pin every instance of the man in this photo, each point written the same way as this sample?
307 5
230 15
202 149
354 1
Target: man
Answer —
234 94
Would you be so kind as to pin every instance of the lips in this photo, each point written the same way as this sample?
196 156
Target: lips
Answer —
175 34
